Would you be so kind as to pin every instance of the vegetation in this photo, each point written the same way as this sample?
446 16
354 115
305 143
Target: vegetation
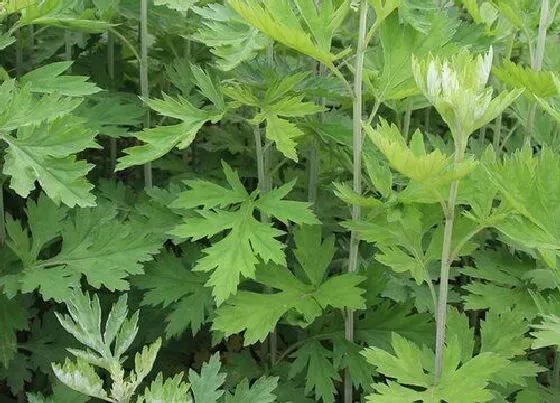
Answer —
299 200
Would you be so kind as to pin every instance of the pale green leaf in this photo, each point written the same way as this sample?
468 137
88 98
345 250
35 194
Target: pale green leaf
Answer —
205 387
48 79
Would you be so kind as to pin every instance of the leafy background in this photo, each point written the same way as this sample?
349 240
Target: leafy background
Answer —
196 165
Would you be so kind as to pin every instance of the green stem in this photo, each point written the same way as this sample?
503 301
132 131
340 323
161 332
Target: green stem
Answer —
31 46
314 160
496 139
544 23
407 116
144 85
482 136
357 107
67 46
127 43
111 72
441 311
267 187
537 61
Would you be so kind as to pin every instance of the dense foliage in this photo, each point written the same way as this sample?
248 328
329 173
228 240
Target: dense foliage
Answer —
251 201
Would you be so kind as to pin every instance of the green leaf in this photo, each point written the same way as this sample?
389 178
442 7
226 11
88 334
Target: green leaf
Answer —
378 324
59 13
412 366
258 314
48 79
61 394
259 392
431 170
231 39
144 362
205 387
80 376
248 239
547 333
400 42
168 283
46 154
162 139
283 133
273 203
181 6
504 334
537 83
172 390
313 253
277 19
13 318
96 244
19 108
400 234
529 184
6 40
320 370
111 114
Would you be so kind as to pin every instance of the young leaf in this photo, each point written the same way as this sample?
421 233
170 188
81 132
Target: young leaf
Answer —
80 376
172 390
205 387
457 89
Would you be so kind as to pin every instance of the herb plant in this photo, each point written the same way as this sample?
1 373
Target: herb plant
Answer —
300 200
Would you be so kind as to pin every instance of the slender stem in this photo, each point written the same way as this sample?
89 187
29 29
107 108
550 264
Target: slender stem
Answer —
482 136
498 127
19 53
111 72
127 43
544 23
31 46
373 111
2 215
427 120
314 160
144 85
67 46
433 294
357 107
267 187
407 115
441 311
537 61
